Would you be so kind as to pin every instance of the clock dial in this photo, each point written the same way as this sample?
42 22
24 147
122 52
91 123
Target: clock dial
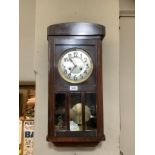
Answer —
75 65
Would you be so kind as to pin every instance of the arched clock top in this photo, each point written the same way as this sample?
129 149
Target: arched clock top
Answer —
76 29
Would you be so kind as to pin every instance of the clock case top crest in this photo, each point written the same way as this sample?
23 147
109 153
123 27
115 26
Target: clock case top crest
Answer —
65 127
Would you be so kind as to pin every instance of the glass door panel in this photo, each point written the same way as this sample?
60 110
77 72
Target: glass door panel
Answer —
90 111
60 111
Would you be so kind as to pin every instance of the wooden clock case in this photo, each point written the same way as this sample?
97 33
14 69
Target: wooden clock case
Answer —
86 36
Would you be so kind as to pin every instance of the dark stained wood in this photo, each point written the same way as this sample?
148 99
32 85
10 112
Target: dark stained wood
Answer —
99 91
76 29
83 110
50 89
73 139
76 144
68 110
87 36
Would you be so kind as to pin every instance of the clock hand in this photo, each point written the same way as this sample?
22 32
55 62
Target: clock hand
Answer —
73 68
72 62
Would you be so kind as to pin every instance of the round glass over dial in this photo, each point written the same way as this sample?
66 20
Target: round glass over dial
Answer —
75 65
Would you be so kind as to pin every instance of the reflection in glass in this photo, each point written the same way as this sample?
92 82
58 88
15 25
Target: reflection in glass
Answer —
90 111
76 112
82 111
60 117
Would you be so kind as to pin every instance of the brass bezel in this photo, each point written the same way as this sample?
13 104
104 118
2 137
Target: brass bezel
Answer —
62 73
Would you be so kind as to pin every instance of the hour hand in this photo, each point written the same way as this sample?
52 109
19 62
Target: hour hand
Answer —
72 69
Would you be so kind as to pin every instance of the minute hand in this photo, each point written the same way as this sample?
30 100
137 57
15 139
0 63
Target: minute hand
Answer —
72 62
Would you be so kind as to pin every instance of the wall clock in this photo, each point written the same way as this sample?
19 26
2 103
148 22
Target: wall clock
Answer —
75 65
75 99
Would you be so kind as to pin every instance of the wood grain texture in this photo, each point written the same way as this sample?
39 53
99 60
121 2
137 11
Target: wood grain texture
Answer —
74 28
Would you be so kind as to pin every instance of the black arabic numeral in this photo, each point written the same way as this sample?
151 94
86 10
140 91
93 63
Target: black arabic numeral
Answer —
85 72
69 75
75 77
75 54
65 71
69 55
81 76
85 59
66 59
87 65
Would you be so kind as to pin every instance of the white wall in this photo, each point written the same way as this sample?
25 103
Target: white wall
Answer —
26 40
104 12
126 58
127 5
127 83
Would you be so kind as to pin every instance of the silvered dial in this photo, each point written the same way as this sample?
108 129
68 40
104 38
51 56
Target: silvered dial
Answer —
75 65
